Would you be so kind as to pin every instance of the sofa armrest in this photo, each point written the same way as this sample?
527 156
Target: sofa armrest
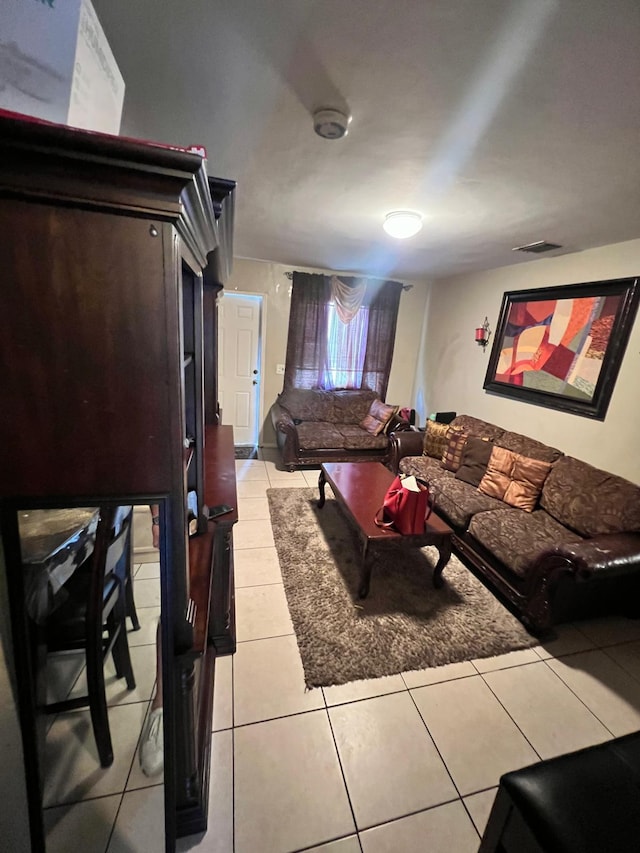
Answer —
397 424
286 435
282 420
404 443
609 554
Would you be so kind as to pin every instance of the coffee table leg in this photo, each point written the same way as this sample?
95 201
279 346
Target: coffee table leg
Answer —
321 484
365 573
444 550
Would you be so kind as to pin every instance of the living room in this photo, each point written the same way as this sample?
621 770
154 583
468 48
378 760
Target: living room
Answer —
502 125
437 365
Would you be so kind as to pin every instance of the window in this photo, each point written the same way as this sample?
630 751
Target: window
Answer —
346 348
341 332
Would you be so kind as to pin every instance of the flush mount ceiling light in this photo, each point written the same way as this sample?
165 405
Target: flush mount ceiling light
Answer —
402 223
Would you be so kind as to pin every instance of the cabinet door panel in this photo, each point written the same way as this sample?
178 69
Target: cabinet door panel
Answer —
88 397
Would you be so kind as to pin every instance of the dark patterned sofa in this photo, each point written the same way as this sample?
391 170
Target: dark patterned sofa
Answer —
577 554
314 426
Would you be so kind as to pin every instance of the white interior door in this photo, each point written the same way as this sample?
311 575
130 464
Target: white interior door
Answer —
239 316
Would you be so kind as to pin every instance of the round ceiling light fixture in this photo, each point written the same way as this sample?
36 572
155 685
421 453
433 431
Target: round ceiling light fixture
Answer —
331 124
402 223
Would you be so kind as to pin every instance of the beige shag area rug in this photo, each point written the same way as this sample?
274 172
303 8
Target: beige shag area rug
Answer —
404 623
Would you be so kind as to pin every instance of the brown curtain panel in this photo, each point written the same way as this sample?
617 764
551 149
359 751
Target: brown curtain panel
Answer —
381 336
307 339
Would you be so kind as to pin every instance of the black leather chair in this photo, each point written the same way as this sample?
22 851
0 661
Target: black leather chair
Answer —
584 802
445 417
92 618
130 605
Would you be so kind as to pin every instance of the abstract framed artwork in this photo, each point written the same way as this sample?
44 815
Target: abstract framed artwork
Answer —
562 347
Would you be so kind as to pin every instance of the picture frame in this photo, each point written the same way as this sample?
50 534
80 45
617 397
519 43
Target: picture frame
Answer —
561 347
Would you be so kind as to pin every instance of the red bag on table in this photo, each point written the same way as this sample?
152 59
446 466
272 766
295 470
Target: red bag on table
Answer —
406 506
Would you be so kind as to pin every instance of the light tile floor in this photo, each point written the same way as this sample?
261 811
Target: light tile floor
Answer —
406 763
107 808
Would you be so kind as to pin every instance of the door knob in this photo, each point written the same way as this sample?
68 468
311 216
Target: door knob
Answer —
255 381
255 372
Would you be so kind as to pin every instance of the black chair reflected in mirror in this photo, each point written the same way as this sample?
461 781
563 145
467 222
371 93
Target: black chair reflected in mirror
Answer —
92 618
127 558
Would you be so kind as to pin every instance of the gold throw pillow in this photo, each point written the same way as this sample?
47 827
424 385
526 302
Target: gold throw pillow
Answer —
517 480
435 439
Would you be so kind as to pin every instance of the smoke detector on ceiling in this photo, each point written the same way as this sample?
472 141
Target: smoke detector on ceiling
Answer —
331 124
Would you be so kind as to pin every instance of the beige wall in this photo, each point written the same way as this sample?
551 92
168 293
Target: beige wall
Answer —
454 366
269 279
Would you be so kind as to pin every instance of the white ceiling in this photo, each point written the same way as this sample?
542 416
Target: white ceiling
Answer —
502 121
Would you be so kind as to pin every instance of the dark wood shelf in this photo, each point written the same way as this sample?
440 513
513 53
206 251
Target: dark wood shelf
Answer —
220 471
213 606
220 488
200 572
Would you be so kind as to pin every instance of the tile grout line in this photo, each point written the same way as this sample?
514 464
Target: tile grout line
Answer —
435 745
433 683
124 790
497 698
344 702
470 816
270 637
605 650
568 686
579 698
342 773
417 812
113 825
331 841
280 717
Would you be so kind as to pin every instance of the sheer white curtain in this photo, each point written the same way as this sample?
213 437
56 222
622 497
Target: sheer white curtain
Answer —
347 325
346 348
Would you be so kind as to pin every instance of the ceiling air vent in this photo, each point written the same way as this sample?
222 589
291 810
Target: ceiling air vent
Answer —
537 248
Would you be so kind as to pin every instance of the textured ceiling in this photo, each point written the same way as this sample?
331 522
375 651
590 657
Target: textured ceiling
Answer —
502 121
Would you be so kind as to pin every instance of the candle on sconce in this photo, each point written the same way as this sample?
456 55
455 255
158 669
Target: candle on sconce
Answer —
482 334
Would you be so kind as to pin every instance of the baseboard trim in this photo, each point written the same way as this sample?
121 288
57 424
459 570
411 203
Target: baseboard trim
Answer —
143 550
146 555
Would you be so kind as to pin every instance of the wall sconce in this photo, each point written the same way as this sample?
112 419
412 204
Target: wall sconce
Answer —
483 334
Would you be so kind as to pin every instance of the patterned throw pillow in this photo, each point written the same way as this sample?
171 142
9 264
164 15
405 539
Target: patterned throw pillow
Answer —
379 416
435 439
452 456
475 458
517 480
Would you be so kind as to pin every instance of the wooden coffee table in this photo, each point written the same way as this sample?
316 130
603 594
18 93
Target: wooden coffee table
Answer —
359 488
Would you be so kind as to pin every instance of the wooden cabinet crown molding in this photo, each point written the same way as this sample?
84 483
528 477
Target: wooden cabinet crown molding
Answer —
58 164
221 260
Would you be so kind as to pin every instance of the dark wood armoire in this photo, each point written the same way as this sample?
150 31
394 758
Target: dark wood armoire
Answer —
112 253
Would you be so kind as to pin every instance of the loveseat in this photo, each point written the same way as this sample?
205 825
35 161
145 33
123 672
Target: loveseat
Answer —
573 552
314 426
